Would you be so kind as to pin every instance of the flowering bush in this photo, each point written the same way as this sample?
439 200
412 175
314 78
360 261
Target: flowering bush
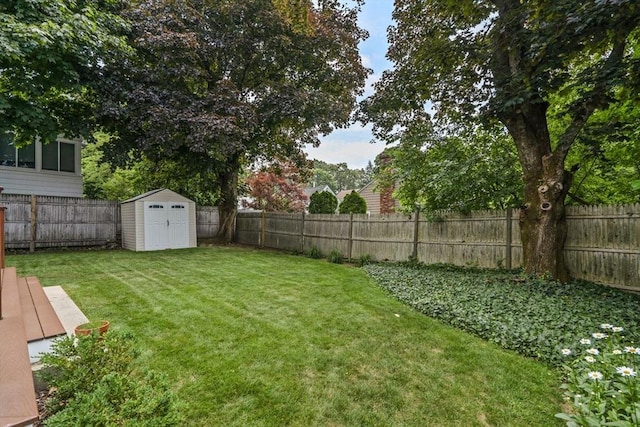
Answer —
602 380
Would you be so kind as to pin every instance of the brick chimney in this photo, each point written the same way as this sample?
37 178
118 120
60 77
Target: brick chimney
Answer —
387 202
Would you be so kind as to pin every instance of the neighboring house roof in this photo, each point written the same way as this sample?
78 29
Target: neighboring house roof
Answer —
310 190
342 193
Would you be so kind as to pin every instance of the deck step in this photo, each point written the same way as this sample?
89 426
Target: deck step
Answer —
41 320
17 394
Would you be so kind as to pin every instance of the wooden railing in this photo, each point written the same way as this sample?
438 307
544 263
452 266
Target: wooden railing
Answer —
1 250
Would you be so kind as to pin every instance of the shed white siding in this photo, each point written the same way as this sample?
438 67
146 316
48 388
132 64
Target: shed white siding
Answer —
134 221
128 217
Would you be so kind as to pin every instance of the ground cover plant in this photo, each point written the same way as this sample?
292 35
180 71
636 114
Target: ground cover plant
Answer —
602 380
548 320
250 337
535 317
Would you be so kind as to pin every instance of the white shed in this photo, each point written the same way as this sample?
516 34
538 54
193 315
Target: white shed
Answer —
159 219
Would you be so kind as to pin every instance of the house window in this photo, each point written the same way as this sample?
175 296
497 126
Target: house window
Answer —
59 156
24 157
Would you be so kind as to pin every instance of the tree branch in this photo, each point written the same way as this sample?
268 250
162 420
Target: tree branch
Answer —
597 99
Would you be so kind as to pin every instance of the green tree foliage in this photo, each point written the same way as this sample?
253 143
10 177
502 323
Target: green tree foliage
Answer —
216 86
353 203
605 161
339 177
102 181
513 61
323 202
475 170
51 53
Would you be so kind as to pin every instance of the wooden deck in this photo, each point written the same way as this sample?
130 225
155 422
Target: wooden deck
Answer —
40 320
27 316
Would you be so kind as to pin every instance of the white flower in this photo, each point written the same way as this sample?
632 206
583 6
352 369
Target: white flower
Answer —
599 335
593 351
617 329
606 326
590 359
626 371
633 350
594 375
585 341
566 352
616 352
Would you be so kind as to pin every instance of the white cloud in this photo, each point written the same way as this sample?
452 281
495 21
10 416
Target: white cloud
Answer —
351 146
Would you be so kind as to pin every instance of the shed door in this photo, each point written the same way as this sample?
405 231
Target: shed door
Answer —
155 226
166 225
178 225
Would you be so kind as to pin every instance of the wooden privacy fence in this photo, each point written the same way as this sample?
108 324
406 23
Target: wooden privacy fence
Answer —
46 221
207 221
603 243
43 222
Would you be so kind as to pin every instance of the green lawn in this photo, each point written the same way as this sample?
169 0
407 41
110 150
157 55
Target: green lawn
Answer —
258 338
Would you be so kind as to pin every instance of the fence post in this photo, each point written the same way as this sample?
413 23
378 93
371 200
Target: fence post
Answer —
302 234
509 232
1 241
350 243
416 224
34 222
263 225
1 251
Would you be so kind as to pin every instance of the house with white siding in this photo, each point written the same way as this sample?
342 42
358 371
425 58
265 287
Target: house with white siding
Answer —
41 169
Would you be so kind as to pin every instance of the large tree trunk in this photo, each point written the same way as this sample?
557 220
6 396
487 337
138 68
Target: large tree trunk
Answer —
228 207
543 226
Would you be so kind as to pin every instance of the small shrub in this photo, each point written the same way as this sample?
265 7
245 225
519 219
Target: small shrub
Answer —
364 259
336 257
95 383
353 203
315 253
602 380
323 202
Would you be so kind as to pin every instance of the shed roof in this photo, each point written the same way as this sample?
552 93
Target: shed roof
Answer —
152 192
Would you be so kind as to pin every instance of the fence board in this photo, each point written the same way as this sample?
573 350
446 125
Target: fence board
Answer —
207 221
60 221
603 242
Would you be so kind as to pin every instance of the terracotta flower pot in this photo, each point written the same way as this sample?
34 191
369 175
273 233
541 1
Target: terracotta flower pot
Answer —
99 326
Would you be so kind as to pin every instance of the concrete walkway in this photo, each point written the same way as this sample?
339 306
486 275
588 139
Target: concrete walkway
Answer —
70 316
68 312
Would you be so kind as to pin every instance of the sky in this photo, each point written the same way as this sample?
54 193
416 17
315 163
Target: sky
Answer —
352 145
